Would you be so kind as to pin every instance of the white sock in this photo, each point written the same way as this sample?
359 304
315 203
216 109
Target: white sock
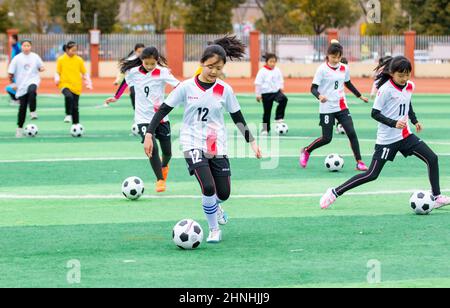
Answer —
210 209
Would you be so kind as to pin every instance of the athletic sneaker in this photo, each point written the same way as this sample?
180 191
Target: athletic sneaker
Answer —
441 201
264 133
222 217
19 132
361 166
161 186
165 172
68 119
14 102
327 199
304 158
33 115
215 236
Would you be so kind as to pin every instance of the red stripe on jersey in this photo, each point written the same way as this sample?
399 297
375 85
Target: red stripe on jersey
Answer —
218 90
198 84
342 103
342 68
405 133
268 67
409 87
333 68
395 86
211 143
156 72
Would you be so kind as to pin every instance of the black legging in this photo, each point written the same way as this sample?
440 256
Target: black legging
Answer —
28 99
327 136
72 101
267 100
422 151
155 161
133 97
219 185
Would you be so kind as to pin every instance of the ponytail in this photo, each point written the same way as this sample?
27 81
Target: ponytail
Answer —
390 66
226 47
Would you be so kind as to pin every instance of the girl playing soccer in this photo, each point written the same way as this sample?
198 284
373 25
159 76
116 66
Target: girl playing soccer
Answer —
269 85
70 73
203 134
328 88
24 70
393 108
149 75
135 54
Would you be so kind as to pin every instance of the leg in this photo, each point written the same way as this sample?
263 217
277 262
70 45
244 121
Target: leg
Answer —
22 111
282 103
327 136
206 181
223 188
32 89
67 101
133 97
427 155
267 101
155 162
351 134
75 112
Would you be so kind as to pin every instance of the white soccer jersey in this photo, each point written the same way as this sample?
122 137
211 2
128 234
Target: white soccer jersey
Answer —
269 80
25 69
203 122
331 85
393 103
150 90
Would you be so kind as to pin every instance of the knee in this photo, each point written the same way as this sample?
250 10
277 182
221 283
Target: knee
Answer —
434 159
208 189
372 175
223 194
326 139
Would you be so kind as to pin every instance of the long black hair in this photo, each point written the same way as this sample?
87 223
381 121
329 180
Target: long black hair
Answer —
147 53
225 47
136 47
269 56
392 65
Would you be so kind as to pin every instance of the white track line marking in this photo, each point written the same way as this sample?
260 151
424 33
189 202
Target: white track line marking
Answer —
268 196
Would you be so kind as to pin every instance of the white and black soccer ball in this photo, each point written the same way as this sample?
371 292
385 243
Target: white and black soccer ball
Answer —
133 188
282 128
422 202
135 130
77 130
187 234
31 130
340 129
334 162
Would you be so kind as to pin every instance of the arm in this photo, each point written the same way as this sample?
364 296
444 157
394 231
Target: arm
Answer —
412 114
11 78
170 79
239 120
349 85
163 111
258 86
315 90
376 114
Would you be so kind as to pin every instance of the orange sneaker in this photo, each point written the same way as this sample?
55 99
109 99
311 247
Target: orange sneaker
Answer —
165 172
160 186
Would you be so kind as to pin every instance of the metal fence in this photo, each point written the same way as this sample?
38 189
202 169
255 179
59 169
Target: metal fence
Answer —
114 47
3 46
434 49
49 46
195 44
371 48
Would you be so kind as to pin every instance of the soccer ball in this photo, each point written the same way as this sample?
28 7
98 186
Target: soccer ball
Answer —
135 130
133 188
31 130
422 203
77 130
340 129
334 162
187 234
282 128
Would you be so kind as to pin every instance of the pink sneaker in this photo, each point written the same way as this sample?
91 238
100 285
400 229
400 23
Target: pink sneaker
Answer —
361 166
327 199
441 201
304 157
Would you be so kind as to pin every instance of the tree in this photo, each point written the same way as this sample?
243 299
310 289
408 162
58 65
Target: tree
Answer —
107 12
390 21
323 14
428 16
5 22
158 12
209 16
32 19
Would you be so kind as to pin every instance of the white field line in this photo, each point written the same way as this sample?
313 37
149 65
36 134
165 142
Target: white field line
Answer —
84 159
267 196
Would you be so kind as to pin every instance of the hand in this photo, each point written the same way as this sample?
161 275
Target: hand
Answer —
401 124
148 145
115 83
323 99
89 86
256 149
258 99
365 99
110 100
42 69
419 127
